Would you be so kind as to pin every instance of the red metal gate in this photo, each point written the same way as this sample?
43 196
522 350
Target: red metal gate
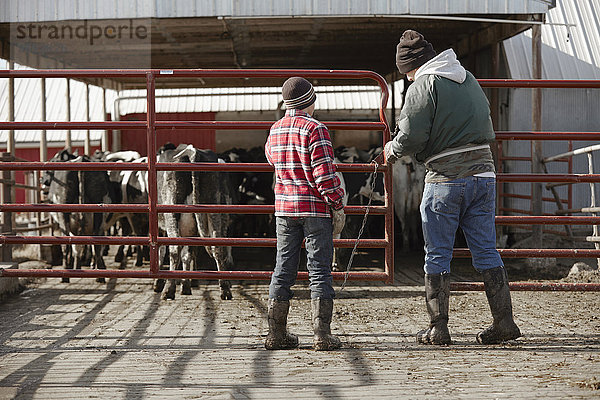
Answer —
152 208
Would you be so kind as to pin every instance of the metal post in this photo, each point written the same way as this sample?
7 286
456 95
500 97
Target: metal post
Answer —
87 148
494 95
152 185
43 151
10 143
43 138
593 203
68 142
536 122
105 133
393 108
7 222
116 133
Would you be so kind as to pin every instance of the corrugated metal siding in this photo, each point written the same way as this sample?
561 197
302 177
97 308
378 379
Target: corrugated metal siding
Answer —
28 102
28 107
563 110
52 10
252 99
567 53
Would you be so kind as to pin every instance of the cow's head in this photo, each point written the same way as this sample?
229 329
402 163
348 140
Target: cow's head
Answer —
48 175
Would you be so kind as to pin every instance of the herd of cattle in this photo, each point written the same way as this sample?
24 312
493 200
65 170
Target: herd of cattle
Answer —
198 187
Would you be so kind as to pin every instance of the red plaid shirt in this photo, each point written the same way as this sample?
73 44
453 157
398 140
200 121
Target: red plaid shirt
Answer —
299 147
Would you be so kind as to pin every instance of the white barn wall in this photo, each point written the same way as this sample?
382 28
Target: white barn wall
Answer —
566 110
568 52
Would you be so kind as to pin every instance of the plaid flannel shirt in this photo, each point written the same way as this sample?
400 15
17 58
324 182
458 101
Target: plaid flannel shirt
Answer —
300 149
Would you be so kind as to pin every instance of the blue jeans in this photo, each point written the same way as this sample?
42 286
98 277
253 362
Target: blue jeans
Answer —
468 203
319 250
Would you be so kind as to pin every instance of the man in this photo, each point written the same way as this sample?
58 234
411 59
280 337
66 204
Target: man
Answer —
445 123
308 205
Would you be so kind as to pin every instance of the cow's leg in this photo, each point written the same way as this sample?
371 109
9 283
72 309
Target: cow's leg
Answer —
139 256
174 255
99 229
186 260
159 284
67 259
124 231
211 225
99 261
120 256
171 284
78 252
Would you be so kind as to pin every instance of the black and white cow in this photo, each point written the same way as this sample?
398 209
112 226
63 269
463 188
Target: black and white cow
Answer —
359 188
408 183
78 187
251 188
193 187
131 187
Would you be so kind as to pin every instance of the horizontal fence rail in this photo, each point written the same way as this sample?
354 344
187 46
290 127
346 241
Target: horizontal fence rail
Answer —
152 167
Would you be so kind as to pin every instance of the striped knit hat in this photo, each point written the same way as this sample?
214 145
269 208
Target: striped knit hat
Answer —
298 93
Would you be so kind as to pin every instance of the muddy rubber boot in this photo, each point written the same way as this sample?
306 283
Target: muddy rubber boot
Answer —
498 293
437 296
321 316
279 338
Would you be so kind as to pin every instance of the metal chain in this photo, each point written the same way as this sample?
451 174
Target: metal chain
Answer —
364 222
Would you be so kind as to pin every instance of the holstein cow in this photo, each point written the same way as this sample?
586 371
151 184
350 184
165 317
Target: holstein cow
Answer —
193 187
409 181
251 188
78 187
131 187
358 187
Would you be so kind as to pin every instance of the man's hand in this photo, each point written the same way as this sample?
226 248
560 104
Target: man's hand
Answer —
390 157
338 220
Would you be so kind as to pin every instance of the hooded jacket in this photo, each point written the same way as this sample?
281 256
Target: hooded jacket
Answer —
445 109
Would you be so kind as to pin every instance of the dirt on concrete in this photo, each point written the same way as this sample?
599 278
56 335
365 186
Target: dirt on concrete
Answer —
120 340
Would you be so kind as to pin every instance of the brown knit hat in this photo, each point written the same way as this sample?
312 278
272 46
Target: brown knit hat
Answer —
298 93
413 51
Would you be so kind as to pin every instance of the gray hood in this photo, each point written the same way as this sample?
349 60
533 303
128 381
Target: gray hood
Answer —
445 65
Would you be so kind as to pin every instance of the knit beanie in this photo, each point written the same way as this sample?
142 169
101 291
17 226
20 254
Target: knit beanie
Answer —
298 93
413 51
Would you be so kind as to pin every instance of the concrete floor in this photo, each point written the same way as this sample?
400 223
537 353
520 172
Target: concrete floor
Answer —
121 341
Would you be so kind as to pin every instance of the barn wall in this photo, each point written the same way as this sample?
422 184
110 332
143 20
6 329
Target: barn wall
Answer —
564 110
135 139
227 139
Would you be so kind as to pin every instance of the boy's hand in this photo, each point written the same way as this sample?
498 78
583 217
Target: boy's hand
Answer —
338 220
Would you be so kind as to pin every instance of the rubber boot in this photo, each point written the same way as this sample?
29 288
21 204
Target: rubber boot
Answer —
321 316
279 338
498 293
437 295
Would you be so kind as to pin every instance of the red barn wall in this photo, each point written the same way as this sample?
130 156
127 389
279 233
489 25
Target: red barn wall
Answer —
135 139
33 154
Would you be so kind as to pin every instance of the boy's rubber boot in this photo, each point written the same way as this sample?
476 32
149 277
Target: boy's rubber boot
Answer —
322 309
278 337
